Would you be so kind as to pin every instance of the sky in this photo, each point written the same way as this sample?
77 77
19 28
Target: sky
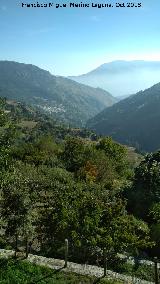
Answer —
73 41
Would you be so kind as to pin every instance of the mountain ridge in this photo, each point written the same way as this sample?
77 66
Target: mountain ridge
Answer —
122 78
133 121
68 101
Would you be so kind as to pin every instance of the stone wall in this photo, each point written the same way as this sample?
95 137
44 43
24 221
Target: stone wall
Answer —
83 269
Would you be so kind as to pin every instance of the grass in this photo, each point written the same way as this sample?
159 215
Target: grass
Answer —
18 271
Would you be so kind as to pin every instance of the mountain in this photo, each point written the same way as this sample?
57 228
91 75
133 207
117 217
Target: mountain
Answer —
122 78
68 101
133 121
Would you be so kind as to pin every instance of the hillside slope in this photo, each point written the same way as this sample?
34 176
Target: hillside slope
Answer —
133 121
68 101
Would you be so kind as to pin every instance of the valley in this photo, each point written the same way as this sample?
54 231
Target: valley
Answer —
59 180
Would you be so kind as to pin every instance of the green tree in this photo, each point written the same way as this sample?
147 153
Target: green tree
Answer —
43 151
146 186
155 226
91 218
7 135
115 152
74 153
17 203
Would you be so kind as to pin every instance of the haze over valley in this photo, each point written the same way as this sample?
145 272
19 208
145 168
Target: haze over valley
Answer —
122 78
133 121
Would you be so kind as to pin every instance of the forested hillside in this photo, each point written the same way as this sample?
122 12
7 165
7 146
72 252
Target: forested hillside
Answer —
133 121
69 102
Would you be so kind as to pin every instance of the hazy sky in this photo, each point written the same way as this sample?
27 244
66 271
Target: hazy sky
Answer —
72 41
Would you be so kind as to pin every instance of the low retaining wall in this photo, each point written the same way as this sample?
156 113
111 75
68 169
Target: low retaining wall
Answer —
83 269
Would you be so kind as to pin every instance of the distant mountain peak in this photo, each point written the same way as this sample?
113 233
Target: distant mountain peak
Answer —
68 101
122 77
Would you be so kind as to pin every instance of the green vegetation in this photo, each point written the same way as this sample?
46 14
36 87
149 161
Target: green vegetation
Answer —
65 100
17 272
146 189
133 121
141 271
57 185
